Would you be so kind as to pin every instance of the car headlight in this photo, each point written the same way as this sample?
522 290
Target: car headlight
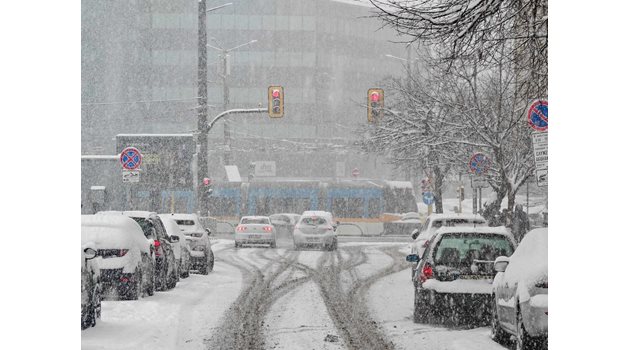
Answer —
199 248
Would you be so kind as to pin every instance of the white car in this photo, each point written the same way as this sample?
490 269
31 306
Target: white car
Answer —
126 264
315 228
180 247
520 293
255 230
201 254
455 273
434 222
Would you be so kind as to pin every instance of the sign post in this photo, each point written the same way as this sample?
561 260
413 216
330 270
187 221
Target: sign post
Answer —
131 158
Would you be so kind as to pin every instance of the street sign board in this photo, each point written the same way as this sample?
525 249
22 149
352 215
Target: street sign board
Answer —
427 198
355 172
541 177
425 185
479 163
538 115
130 158
265 168
130 175
539 142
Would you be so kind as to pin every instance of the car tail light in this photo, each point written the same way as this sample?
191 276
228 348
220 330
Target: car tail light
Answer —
240 228
124 279
329 228
426 272
267 228
156 244
123 252
541 284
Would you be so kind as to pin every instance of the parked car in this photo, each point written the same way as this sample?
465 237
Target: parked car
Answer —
520 293
315 228
406 224
90 286
422 236
165 264
180 247
284 222
126 265
255 230
201 254
455 273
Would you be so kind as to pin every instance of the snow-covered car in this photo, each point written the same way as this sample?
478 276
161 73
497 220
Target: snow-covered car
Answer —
255 230
284 222
520 293
165 264
126 265
201 254
180 246
455 273
315 228
90 286
433 223
404 226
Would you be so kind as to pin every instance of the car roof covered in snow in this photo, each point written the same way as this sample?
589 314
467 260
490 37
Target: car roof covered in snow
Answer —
446 216
171 226
501 230
112 232
129 213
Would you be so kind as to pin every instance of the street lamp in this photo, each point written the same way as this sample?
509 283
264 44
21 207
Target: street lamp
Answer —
226 91
202 95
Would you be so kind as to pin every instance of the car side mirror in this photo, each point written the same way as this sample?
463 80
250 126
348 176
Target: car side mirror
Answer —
501 263
89 253
174 238
412 258
208 231
415 235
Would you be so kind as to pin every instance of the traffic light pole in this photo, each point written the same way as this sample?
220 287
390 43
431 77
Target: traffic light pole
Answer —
202 93
235 111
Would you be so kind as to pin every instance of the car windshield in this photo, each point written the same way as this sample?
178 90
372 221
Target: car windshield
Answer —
259 221
185 222
145 225
464 249
313 220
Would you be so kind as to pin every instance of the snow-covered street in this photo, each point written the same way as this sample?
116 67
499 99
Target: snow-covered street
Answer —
358 297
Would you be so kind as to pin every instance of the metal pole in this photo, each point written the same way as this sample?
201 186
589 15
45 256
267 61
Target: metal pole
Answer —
202 93
480 201
226 101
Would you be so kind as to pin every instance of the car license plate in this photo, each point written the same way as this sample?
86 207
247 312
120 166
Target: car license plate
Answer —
311 239
254 236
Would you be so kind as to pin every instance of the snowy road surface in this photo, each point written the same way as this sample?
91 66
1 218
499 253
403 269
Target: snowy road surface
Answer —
358 297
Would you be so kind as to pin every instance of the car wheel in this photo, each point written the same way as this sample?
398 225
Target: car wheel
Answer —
203 269
151 283
523 340
135 291
237 245
272 244
497 333
334 247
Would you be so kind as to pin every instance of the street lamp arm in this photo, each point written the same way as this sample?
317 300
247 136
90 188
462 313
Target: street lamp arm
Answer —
214 47
239 46
234 111
219 7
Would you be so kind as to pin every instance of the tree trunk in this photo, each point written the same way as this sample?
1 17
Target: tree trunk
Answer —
439 180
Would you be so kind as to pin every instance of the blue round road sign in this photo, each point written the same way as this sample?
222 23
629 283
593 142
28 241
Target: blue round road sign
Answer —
479 163
130 158
427 198
538 115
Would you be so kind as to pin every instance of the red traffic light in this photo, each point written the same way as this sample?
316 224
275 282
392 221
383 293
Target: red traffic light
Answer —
375 97
275 93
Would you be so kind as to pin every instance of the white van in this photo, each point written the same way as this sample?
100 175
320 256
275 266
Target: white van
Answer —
126 264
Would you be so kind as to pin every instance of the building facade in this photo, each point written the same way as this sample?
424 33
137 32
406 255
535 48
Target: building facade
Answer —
139 75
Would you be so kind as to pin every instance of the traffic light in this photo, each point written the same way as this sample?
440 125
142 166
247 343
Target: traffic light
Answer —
276 101
376 104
